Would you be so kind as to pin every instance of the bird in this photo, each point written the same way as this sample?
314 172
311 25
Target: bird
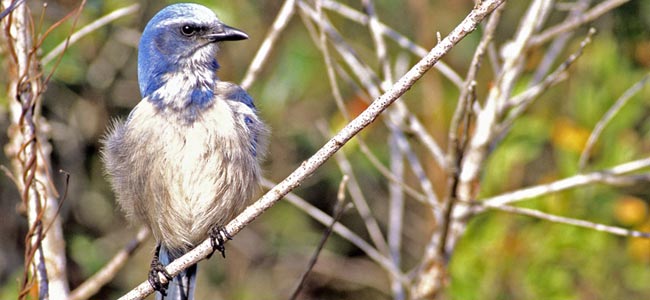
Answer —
187 158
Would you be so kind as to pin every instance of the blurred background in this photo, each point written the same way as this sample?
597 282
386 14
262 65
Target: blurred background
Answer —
502 256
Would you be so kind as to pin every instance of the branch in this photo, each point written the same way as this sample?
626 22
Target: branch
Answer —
368 79
400 39
600 126
28 149
564 220
116 14
338 99
286 12
343 232
338 213
523 100
610 176
572 24
93 284
557 46
308 167
359 200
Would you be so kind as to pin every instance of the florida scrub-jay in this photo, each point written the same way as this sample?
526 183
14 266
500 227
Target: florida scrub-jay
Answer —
186 159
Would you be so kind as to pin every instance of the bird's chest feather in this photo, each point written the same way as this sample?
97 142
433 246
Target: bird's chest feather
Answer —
195 174
193 161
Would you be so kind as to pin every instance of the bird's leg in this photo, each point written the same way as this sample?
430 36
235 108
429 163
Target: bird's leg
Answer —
156 270
218 237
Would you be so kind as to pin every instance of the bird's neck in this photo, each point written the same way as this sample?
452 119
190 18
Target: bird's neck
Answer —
186 88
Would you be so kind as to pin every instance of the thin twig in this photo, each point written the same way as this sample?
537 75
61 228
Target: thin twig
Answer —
380 45
10 8
610 176
395 213
372 158
609 115
558 44
329 63
417 129
401 40
281 20
66 42
369 80
360 202
376 162
418 171
358 199
116 14
523 100
341 207
342 231
488 119
366 76
462 116
93 284
570 25
565 220
398 147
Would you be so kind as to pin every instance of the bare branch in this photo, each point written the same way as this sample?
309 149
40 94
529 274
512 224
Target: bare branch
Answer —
523 100
286 12
338 213
368 79
380 45
455 150
609 115
360 202
564 220
555 49
93 284
342 231
569 25
28 149
395 213
114 15
400 39
610 176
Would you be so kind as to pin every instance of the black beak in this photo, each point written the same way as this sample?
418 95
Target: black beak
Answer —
226 33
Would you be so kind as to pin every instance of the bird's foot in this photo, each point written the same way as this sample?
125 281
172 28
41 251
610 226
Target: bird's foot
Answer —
158 269
218 236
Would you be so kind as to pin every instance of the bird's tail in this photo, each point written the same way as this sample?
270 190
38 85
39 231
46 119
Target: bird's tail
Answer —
182 286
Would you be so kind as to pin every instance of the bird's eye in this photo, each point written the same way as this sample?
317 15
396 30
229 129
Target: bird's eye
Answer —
188 30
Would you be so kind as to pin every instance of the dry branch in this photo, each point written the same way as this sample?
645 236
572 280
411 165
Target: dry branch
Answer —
29 151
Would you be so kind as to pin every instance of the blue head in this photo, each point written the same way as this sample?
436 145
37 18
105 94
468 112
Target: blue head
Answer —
176 58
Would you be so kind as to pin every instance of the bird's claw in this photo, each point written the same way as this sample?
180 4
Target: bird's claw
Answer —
218 237
156 270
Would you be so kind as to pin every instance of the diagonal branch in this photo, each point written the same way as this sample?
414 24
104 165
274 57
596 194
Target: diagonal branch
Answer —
93 284
572 24
400 39
620 102
565 220
284 16
114 15
610 176
340 208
